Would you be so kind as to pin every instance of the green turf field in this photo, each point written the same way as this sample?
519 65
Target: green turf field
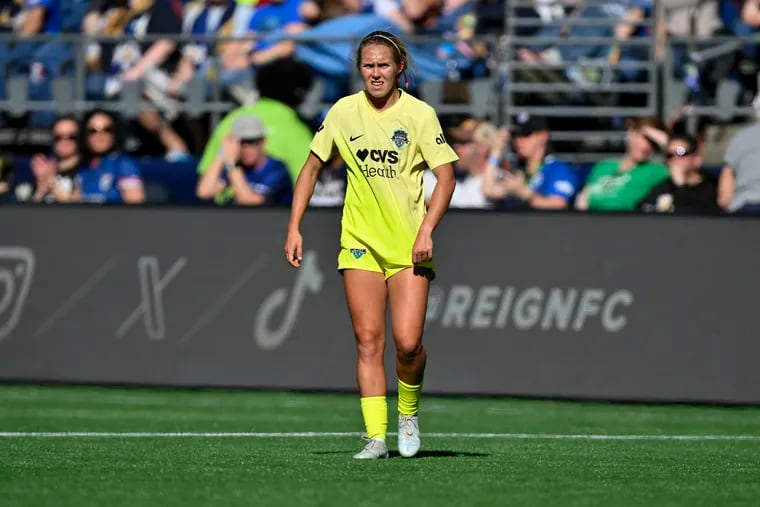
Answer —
82 446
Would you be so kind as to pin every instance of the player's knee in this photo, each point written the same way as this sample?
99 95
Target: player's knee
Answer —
408 352
369 344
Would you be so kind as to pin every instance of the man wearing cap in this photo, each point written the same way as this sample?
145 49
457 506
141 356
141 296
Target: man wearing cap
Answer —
241 171
688 190
544 182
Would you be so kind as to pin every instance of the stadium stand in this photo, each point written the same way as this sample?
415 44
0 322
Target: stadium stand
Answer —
586 66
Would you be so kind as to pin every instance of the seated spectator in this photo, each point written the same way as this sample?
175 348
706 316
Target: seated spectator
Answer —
8 21
541 181
273 22
104 18
471 140
57 170
6 178
330 188
108 176
288 137
620 184
687 190
739 183
243 172
595 61
151 63
206 57
37 60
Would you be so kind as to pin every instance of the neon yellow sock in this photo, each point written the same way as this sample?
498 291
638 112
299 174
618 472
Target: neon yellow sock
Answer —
375 412
408 398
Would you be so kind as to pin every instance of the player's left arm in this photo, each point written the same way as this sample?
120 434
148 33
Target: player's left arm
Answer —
439 157
422 251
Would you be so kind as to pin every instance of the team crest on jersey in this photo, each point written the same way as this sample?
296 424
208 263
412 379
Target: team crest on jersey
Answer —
358 252
105 182
400 137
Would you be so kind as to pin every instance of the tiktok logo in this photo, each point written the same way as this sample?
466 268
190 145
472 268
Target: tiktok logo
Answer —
309 279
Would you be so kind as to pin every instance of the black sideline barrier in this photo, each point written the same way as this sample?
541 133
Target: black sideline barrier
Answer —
609 307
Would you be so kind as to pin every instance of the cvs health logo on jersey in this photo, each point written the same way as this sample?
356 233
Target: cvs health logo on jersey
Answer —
16 273
377 163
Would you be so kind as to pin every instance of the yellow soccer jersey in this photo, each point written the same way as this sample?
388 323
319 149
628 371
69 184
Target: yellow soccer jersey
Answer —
386 154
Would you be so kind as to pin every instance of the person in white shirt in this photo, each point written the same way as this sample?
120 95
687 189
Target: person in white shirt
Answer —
470 140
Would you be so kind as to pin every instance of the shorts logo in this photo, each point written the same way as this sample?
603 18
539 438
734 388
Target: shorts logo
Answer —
400 138
357 252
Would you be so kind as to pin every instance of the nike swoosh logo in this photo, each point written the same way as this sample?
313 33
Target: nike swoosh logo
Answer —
354 138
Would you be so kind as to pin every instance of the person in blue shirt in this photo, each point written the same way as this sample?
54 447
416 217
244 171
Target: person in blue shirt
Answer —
275 21
544 182
107 175
242 172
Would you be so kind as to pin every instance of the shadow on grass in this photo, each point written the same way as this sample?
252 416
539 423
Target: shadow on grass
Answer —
422 454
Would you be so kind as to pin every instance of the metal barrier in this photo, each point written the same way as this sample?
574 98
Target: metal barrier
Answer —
552 89
498 96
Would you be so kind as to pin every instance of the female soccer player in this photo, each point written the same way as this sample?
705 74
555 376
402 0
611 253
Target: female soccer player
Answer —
386 138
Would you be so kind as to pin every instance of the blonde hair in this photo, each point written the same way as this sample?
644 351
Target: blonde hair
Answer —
400 53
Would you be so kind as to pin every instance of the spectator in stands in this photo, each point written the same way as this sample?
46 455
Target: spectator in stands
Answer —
625 18
8 12
151 63
273 22
204 57
749 24
6 179
108 176
288 137
542 181
471 140
37 60
58 170
243 172
104 18
687 190
330 188
620 184
739 183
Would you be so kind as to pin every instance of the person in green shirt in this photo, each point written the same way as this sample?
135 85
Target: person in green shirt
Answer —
282 86
620 184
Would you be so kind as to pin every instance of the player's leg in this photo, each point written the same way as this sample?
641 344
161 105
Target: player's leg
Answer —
366 295
408 294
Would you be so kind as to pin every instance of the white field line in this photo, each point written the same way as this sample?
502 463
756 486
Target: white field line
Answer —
313 434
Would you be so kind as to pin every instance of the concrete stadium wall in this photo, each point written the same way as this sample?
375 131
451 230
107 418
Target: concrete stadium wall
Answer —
620 307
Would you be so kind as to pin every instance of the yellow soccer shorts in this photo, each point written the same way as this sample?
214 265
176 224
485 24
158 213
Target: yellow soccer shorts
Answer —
365 259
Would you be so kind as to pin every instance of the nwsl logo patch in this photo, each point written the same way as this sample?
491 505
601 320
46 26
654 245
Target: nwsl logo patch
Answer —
400 138
358 252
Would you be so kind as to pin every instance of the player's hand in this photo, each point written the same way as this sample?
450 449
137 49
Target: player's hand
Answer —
422 251
294 248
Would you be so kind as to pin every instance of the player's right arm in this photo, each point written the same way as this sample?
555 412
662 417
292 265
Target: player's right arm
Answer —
321 148
304 188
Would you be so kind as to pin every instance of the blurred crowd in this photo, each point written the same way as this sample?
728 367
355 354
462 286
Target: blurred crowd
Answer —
266 55
253 160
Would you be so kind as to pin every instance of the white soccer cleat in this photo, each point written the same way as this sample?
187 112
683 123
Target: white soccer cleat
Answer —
375 449
408 435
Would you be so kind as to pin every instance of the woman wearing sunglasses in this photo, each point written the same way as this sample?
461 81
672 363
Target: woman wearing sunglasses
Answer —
108 176
56 170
